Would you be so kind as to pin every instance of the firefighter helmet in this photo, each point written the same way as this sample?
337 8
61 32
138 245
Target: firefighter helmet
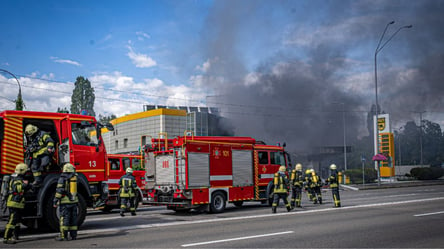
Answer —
129 170
333 167
298 167
21 168
31 129
282 169
69 168
307 171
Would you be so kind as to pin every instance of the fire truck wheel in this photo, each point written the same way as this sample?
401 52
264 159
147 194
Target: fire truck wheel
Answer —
218 202
238 203
51 215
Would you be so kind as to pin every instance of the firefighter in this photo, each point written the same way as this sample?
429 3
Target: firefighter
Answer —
127 192
281 186
308 184
316 185
297 182
66 197
333 180
15 203
40 147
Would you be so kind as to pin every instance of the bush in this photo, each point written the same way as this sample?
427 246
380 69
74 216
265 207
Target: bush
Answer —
427 173
370 175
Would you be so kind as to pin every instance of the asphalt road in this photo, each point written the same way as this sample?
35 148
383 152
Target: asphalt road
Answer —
410 217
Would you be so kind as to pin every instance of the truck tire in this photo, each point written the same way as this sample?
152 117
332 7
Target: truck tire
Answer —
218 202
51 215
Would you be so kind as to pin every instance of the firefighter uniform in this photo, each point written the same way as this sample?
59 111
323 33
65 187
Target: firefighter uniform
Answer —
66 196
15 203
297 182
127 192
334 185
281 186
316 187
39 149
308 184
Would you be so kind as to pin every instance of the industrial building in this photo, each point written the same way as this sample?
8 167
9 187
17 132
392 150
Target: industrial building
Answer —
133 130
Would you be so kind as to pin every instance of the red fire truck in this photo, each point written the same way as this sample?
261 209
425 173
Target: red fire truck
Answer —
207 172
118 163
78 140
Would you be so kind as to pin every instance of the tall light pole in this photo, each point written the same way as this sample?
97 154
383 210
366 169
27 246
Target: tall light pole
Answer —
19 105
377 50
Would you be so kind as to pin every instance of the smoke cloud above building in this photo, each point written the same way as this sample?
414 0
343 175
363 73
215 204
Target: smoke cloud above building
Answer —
316 66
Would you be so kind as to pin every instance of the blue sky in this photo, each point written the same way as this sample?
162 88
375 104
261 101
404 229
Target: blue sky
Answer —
284 55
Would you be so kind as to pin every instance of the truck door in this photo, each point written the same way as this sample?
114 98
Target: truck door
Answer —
87 151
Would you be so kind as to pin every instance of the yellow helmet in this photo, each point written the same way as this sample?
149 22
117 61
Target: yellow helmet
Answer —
31 129
129 170
282 169
307 171
21 168
313 172
298 167
69 168
333 166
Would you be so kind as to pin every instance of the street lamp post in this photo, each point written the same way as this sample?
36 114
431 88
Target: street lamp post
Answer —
19 102
345 142
377 50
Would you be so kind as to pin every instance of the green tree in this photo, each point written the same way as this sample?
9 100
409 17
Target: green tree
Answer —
64 110
106 119
19 104
83 97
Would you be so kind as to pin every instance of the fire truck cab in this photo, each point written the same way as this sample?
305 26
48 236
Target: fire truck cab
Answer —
77 140
208 172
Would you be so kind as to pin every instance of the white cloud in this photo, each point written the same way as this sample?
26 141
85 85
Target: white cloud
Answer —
65 61
142 35
205 66
140 60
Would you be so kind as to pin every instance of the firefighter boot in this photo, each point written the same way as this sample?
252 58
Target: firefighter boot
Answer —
320 200
9 241
273 209
289 208
16 232
122 214
37 181
62 237
73 234
133 213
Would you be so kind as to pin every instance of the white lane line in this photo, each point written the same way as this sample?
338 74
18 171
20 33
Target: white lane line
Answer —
178 223
419 215
234 239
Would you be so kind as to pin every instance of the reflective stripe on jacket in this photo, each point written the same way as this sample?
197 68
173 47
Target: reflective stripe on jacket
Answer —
280 183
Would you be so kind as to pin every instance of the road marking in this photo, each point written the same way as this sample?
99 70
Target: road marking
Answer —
419 215
234 239
178 223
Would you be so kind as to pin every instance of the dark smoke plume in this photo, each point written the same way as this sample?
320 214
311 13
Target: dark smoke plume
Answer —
322 71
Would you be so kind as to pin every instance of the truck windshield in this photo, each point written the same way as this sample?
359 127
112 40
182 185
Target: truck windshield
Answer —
277 158
84 135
